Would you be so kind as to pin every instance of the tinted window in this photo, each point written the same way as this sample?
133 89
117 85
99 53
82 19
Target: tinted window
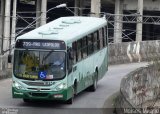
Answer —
90 44
79 50
84 47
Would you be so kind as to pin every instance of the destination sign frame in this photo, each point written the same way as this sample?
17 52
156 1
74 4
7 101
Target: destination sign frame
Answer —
40 44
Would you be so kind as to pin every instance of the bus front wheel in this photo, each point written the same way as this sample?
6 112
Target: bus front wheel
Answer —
70 101
27 100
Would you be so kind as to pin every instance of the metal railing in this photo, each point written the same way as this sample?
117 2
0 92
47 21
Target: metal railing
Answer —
133 18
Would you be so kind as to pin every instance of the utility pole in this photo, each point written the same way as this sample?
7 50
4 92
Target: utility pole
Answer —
2 25
76 5
38 10
6 31
43 11
95 8
81 7
13 33
118 21
139 21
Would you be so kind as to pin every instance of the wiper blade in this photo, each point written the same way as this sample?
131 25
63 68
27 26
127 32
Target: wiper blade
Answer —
44 58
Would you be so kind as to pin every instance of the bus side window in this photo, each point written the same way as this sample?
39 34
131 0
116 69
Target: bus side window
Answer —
101 38
104 36
90 44
74 49
84 47
79 49
95 41
98 41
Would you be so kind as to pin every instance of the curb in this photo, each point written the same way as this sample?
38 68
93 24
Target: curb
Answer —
109 105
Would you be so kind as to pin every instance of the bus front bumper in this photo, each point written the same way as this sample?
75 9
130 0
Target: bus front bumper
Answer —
42 95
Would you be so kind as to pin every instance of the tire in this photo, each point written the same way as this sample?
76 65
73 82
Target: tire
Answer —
95 80
70 101
75 89
26 100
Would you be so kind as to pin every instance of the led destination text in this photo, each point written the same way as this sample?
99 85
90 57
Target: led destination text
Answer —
42 44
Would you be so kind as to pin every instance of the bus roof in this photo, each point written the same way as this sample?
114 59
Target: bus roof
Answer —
68 29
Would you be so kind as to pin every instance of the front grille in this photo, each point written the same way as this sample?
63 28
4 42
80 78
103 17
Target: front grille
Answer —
43 89
38 94
45 83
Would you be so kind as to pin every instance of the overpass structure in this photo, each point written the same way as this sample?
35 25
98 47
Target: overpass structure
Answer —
115 11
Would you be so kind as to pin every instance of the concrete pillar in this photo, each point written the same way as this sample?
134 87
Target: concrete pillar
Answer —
38 12
76 7
95 8
81 4
6 32
43 11
2 25
13 32
139 21
118 21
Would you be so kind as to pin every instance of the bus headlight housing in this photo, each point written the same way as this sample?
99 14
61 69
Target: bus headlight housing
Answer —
17 85
61 86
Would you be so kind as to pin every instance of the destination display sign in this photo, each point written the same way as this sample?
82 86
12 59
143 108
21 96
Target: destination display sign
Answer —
41 44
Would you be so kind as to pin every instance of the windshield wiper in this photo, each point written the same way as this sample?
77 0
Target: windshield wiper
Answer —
44 58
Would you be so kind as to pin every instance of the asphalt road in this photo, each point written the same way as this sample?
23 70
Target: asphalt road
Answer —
84 103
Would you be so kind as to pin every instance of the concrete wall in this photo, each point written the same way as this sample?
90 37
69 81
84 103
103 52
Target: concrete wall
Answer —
134 52
4 70
150 5
140 88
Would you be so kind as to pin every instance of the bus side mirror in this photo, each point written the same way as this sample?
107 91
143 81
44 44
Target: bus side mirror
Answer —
9 58
70 54
71 57
70 61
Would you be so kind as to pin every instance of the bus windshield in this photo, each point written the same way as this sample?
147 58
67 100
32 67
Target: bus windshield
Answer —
39 65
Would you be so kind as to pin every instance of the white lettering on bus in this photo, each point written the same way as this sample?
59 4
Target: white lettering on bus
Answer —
56 45
26 44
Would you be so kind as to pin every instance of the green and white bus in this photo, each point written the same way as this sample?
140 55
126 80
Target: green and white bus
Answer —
60 59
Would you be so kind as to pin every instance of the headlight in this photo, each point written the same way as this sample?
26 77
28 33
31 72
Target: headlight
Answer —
61 86
17 85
